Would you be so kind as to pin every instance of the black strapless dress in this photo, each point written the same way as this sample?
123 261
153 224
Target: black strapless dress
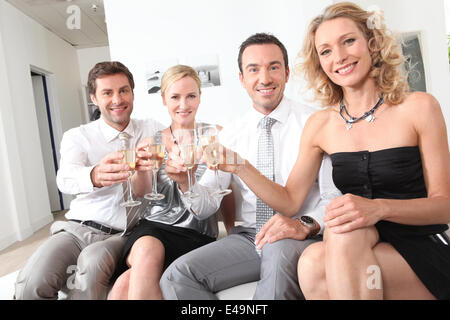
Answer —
397 174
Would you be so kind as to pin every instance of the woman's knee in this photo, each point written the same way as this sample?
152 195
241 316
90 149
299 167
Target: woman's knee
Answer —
120 288
146 249
311 266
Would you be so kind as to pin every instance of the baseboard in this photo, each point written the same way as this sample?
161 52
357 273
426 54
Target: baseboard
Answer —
42 222
7 240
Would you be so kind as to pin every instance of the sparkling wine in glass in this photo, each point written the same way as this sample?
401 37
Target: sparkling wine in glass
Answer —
188 144
129 157
209 140
156 146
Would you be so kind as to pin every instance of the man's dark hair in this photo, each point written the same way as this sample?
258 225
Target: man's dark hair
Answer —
262 38
107 68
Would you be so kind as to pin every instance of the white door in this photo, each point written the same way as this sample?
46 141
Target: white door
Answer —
45 134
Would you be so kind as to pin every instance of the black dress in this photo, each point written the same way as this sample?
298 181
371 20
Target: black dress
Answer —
397 174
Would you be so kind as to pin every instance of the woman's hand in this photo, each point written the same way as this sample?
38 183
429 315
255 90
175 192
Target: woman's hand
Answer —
176 170
350 212
230 161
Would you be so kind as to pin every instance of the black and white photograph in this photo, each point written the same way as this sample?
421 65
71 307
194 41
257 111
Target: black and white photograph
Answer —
415 68
207 67
154 70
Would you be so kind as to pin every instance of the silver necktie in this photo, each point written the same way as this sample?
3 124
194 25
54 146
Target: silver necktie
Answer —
265 165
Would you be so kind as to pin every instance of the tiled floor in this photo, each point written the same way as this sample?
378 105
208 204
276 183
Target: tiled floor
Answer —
14 257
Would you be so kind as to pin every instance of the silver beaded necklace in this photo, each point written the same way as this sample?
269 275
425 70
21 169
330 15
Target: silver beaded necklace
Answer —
368 116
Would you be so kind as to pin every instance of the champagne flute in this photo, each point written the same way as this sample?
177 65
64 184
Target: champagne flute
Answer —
128 149
156 146
187 143
209 140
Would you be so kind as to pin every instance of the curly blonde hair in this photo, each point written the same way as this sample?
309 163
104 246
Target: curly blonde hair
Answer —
385 53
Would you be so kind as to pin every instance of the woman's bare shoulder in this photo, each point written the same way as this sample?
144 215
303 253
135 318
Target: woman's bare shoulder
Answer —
321 117
316 126
421 101
423 110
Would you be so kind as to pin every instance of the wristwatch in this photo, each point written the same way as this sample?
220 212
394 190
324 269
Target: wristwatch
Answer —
309 223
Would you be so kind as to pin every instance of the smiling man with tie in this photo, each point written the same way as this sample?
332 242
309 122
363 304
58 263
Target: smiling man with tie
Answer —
266 247
82 252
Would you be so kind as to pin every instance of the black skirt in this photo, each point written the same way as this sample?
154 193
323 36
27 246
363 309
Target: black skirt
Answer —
425 250
176 241
397 173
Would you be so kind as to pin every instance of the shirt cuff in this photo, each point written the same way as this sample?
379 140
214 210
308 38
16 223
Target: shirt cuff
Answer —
318 216
85 181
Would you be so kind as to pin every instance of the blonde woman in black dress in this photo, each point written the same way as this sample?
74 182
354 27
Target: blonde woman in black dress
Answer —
384 237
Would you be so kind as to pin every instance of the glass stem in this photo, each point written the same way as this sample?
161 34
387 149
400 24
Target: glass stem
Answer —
216 173
130 192
154 182
189 180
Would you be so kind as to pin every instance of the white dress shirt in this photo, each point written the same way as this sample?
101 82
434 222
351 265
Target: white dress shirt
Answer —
242 137
82 149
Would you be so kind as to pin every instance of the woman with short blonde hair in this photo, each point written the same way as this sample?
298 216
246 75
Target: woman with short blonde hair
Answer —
167 228
176 73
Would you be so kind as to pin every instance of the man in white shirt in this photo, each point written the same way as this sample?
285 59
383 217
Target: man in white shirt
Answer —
233 260
82 252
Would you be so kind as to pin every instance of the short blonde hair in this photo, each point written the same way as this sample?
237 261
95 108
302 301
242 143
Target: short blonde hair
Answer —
385 53
176 73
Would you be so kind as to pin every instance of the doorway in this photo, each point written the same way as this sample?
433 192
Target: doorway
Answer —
47 138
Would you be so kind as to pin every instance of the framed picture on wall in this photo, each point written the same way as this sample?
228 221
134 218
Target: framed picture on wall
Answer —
207 67
154 70
412 50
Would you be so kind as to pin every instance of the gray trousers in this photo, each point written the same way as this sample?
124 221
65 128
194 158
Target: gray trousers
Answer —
231 261
78 258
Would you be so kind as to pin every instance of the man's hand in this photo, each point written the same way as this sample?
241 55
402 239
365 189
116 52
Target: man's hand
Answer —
110 171
143 162
280 227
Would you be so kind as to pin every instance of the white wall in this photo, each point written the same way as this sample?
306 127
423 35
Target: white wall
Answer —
88 57
429 18
24 203
8 151
143 31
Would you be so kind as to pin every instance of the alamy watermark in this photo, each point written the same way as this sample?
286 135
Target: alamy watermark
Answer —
72 282
73 22
374 281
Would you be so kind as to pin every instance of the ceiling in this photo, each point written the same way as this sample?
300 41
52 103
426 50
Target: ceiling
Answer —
54 15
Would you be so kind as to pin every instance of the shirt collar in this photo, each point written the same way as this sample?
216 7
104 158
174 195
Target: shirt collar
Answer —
110 133
280 113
